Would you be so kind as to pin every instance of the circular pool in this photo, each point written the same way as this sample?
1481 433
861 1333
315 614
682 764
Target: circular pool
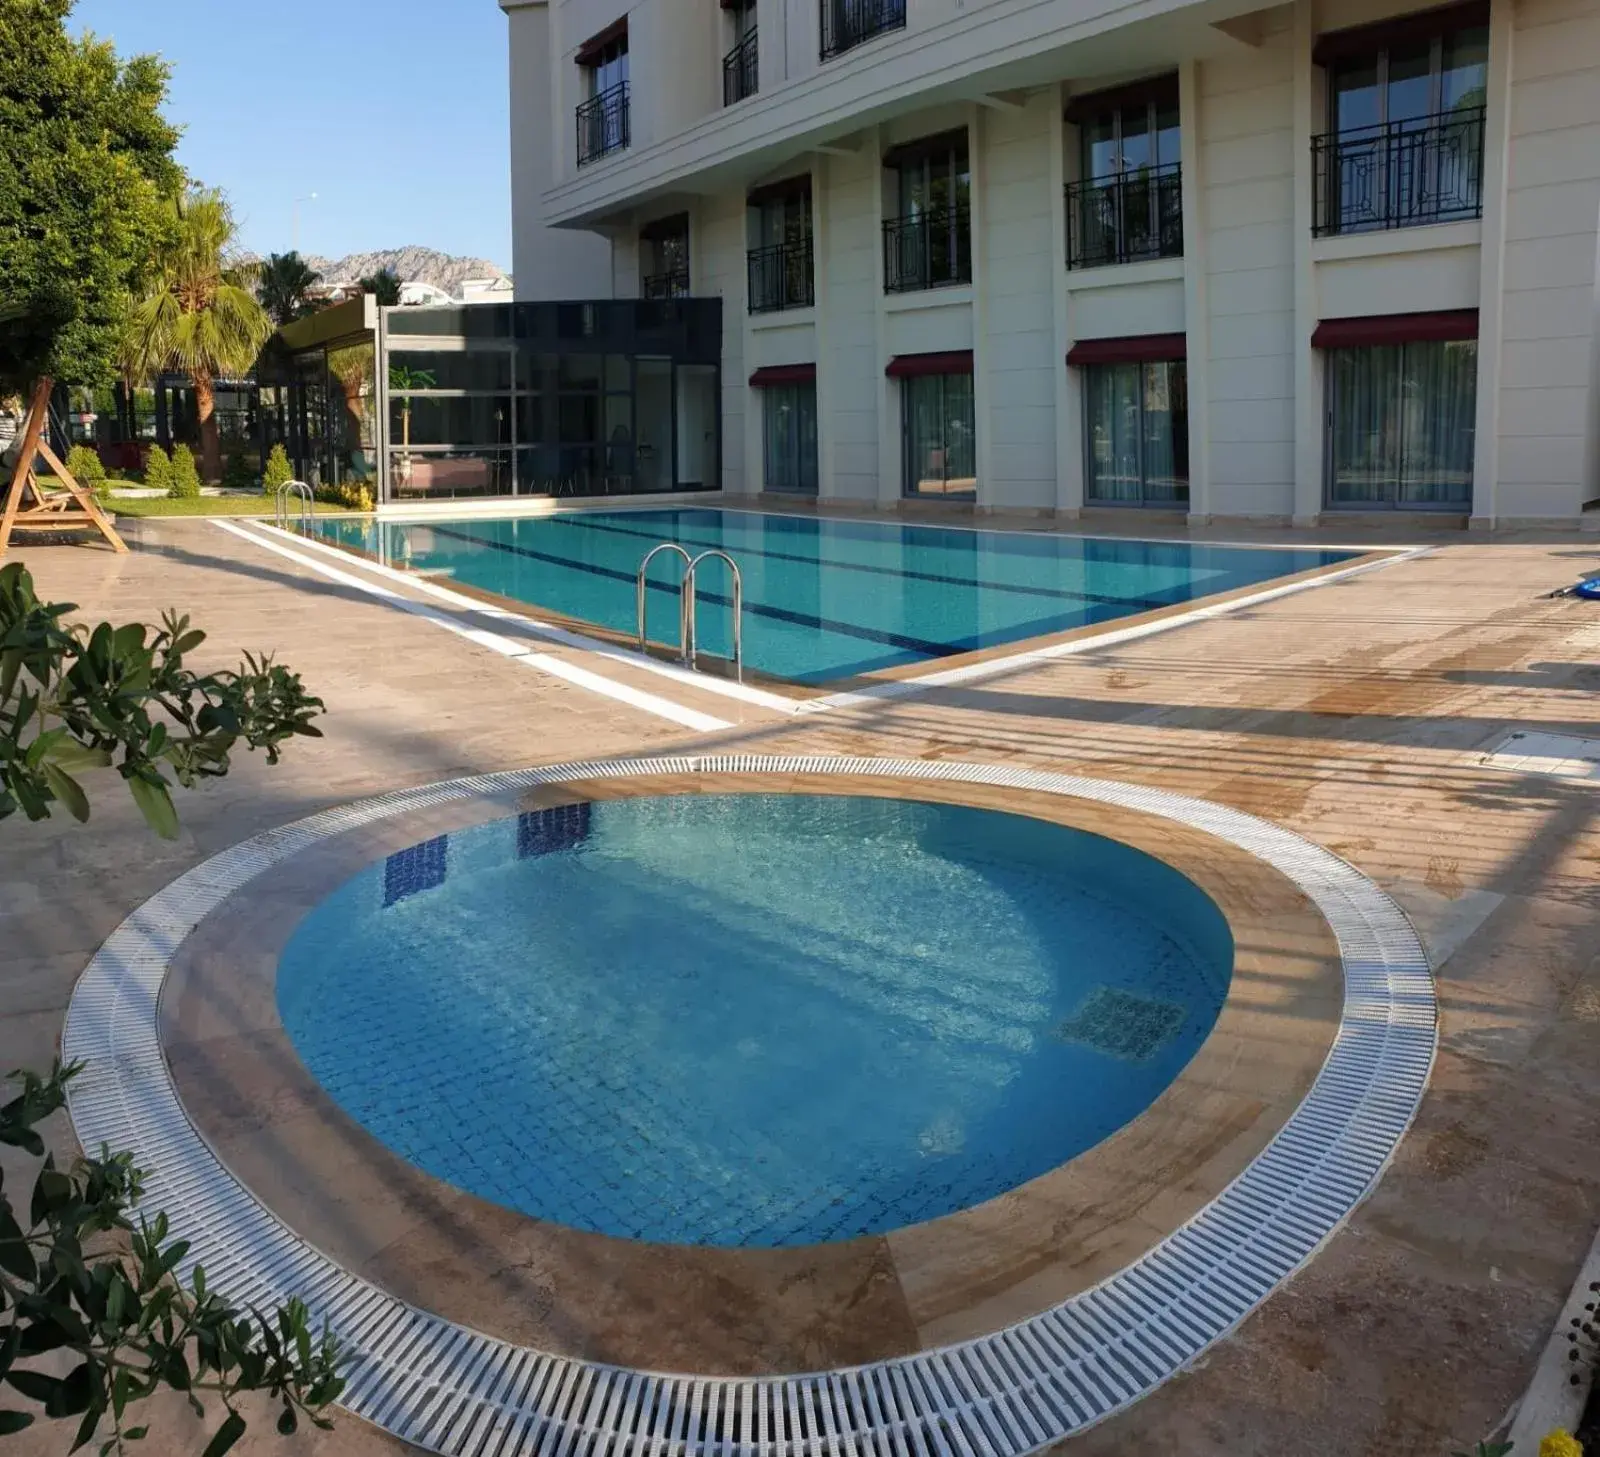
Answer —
753 1019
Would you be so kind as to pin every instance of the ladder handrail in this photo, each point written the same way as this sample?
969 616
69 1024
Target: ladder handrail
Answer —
303 495
688 591
685 617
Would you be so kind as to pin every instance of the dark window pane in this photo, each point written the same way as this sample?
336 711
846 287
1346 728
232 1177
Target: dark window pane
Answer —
448 370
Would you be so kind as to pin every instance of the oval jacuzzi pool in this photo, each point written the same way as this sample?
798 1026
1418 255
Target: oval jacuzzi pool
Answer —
753 1019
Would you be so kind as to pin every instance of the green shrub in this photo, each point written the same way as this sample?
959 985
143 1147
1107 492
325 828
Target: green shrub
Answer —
158 469
185 478
351 497
278 470
83 464
240 473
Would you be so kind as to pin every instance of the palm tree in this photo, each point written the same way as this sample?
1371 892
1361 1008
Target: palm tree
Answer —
201 317
285 280
384 285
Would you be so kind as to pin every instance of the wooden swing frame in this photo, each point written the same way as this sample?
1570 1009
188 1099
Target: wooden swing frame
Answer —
28 507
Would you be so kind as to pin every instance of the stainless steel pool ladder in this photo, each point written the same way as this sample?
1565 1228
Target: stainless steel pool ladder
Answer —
688 653
303 499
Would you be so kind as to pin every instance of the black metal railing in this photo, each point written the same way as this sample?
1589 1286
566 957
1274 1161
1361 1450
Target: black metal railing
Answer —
741 74
1125 218
847 23
927 251
674 283
1428 170
780 277
603 123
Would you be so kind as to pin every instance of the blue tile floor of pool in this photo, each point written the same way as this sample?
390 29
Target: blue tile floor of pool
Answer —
752 1020
824 599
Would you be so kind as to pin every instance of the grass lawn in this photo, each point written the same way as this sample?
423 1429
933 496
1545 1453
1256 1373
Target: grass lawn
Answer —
203 506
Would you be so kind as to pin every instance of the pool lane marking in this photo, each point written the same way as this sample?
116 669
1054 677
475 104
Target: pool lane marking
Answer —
701 682
906 643
496 642
1115 637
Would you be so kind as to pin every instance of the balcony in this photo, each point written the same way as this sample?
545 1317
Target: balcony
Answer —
1127 218
931 250
603 124
780 277
1399 175
741 75
672 284
848 23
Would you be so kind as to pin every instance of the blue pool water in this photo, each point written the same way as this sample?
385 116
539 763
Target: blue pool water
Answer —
824 599
753 1019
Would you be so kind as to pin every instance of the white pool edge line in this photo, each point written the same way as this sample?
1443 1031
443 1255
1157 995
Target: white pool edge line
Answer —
746 692
518 652
459 1392
888 688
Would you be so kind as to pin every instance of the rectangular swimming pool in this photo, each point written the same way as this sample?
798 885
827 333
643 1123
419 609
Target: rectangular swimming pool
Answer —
824 599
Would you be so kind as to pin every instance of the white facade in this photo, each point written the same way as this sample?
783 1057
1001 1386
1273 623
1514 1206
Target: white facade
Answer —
1244 301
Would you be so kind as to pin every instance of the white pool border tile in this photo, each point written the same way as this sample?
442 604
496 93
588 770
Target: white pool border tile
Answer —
457 1391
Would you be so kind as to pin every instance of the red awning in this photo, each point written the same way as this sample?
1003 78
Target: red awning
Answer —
1132 349
914 366
589 52
1395 329
1410 29
769 376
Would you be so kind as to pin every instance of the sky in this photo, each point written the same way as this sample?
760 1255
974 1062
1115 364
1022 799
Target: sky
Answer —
394 112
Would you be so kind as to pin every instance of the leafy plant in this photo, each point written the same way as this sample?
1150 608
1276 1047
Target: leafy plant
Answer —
384 285
201 316
282 285
84 1275
403 379
278 470
185 478
1487 1449
158 469
84 464
73 699
351 497
1559 1443
240 473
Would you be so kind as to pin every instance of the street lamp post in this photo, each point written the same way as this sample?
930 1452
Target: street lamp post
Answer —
295 230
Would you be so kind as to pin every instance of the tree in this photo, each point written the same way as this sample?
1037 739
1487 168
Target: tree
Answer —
85 1278
73 699
384 285
201 316
278 470
86 178
283 284
403 379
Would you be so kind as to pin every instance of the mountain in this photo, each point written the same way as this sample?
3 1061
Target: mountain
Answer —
414 265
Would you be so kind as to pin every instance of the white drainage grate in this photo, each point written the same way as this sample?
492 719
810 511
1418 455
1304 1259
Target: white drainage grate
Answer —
1556 755
456 1391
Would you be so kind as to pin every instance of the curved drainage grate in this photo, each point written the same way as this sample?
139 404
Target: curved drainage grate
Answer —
457 1391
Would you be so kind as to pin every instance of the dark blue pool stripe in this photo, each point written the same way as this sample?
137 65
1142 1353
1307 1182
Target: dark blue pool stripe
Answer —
1132 604
761 609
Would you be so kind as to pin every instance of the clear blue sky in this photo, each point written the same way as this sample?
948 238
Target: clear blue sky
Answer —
394 112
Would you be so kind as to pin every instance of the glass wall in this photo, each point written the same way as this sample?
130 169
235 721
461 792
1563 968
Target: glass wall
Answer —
1137 431
940 436
789 436
1402 425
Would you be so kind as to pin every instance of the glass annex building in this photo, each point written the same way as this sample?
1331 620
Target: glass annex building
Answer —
605 398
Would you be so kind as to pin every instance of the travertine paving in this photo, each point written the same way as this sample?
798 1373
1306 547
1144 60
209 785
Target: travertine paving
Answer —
1357 714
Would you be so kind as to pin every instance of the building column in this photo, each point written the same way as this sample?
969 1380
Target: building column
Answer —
982 421
890 446
1491 267
1308 401
1196 306
1069 402
827 478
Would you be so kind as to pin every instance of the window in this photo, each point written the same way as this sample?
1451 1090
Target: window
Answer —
929 243
847 23
603 115
1401 421
789 417
1137 431
664 258
940 439
1405 128
1128 203
741 66
780 263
